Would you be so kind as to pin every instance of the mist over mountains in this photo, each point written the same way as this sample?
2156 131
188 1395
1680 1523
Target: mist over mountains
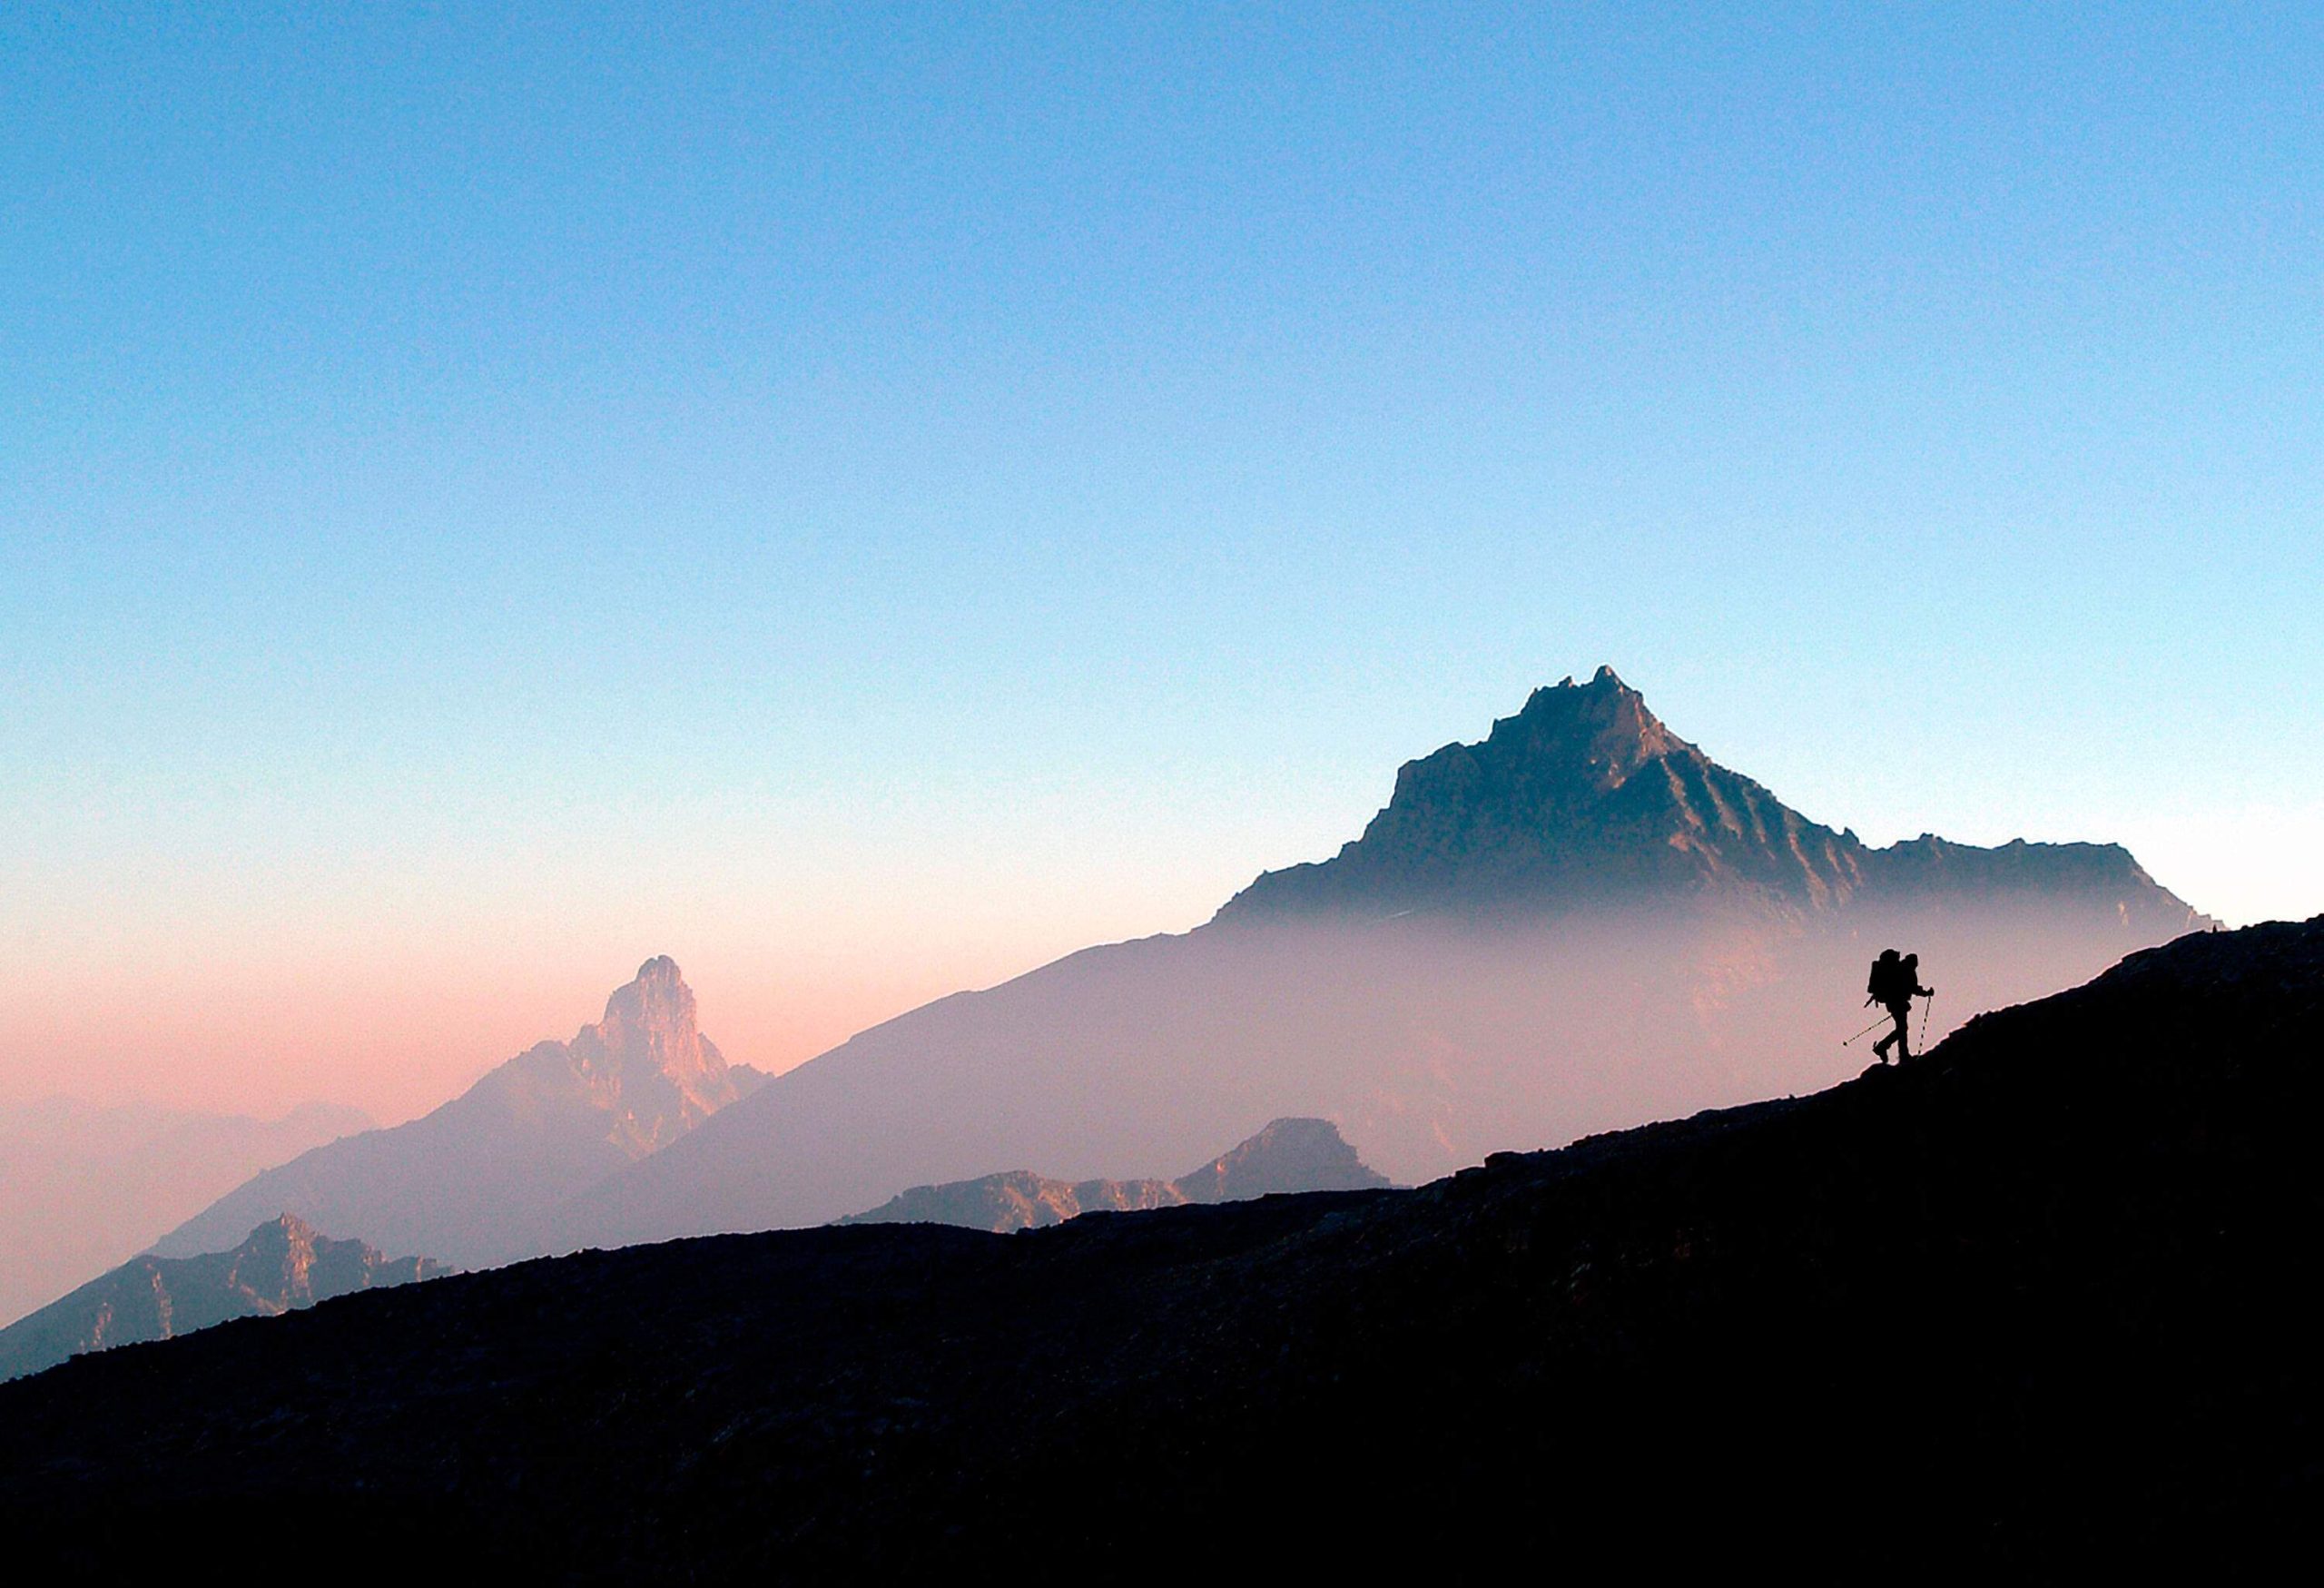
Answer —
1579 923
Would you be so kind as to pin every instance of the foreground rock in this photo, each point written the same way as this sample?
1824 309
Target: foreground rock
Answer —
2043 1304
283 1264
1289 1156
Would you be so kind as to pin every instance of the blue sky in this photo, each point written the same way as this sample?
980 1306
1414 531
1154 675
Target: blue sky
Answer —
865 500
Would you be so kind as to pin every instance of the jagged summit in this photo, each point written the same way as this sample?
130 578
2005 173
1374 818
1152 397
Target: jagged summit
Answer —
467 1181
648 1064
1585 796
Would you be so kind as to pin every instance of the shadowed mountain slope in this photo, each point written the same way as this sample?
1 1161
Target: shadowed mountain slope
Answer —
2041 1305
282 1265
470 1181
1288 1156
1577 924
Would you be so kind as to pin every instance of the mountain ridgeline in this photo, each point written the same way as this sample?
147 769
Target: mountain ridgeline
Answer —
1289 1156
1577 924
284 1264
470 1182
1584 798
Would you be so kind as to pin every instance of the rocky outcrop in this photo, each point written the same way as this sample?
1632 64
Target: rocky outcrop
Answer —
471 1180
1288 1156
283 1264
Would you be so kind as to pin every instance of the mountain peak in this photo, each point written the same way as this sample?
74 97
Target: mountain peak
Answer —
1288 1155
1598 733
648 1062
1583 794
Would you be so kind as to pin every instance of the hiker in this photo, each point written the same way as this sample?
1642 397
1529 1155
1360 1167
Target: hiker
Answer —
1894 984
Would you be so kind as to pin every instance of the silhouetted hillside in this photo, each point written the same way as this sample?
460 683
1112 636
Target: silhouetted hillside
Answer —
2042 1304
284 1264
1288 1156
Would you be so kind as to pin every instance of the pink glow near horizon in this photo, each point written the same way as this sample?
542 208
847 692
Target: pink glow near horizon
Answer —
397 1042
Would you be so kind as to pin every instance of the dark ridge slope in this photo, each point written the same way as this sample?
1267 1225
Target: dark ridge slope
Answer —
2043 1304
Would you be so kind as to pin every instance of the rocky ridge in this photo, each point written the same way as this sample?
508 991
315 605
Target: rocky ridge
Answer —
1585 796
284 1264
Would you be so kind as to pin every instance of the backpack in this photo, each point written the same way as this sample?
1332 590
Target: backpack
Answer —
1881 985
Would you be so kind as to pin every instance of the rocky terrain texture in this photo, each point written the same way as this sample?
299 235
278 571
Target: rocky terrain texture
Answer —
1288 1156
471 1181
2042 1304
83 1187
1585 795
284 1264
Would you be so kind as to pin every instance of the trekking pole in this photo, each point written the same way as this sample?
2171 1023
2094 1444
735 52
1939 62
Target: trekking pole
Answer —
1867 1030
1925 1009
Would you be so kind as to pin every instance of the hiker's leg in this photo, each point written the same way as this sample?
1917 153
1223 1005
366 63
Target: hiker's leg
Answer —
1901 1035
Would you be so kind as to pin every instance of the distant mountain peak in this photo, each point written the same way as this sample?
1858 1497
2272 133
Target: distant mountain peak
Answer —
1601 732
648 1064
1290 1155
1585 796
467 1180
1293 1154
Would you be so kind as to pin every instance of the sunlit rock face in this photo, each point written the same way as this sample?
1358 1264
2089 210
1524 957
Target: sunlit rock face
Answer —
470 1181
284 1264
645 1066
1289 1156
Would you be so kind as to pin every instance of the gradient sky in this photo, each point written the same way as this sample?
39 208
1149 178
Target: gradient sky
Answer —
867 499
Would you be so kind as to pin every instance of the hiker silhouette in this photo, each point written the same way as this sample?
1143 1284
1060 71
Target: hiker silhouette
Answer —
1895 983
